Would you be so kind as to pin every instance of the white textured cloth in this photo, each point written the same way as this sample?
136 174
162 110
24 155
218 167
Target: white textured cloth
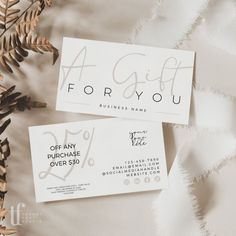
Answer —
213 144
198 201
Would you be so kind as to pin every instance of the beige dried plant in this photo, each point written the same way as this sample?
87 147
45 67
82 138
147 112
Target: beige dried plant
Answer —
18 24
18 32
10 101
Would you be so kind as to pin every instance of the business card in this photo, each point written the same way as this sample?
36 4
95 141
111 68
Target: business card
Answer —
125 81
96 158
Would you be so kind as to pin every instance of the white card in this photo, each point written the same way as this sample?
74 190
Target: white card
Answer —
126 81
97 157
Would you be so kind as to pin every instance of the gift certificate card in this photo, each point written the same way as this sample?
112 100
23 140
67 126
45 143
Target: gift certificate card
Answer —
95 158
126 81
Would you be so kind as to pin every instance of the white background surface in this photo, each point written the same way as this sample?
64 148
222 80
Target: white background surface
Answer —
213 39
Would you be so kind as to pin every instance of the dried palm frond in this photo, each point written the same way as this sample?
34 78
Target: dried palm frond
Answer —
28 23
39 44
10 101
9 13
17 32
11 52
17 38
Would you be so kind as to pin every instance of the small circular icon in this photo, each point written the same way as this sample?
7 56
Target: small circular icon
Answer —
137 181
147 180
126 182
91 162
157 178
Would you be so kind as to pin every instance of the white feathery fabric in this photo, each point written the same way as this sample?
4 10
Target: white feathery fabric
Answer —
210 141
